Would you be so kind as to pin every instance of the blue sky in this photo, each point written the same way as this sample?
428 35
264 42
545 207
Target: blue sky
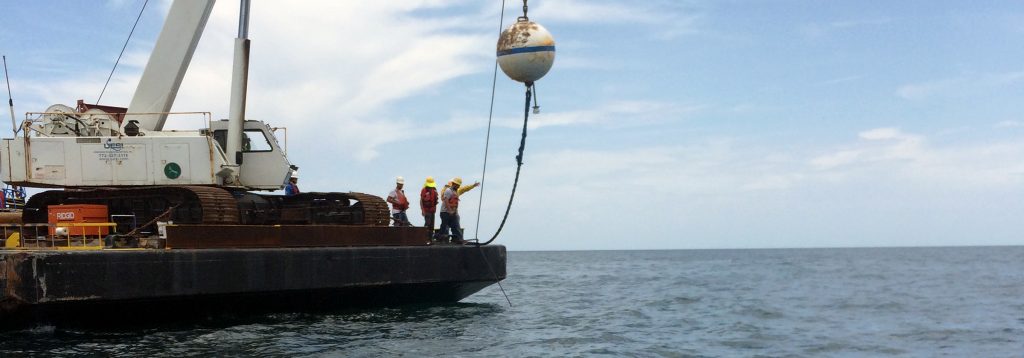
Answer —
664 124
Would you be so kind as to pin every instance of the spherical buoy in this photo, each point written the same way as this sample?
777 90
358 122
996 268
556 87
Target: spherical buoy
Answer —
526 51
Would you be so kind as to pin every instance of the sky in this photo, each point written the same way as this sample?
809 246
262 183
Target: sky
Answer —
664 124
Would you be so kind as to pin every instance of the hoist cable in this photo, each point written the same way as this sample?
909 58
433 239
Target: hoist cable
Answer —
487 145
122 51
496 280
490 116
519 163
519 157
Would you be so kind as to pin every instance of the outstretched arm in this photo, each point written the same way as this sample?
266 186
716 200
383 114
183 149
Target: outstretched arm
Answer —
466 188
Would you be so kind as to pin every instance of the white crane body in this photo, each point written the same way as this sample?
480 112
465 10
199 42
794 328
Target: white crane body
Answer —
65 147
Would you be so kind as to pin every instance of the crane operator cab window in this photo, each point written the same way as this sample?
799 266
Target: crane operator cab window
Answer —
253 140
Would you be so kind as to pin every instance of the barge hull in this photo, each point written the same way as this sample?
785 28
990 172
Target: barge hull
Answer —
137 286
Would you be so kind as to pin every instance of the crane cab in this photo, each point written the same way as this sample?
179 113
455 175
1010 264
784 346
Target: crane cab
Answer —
263 163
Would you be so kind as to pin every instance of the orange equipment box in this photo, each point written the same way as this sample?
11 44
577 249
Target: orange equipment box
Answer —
79 213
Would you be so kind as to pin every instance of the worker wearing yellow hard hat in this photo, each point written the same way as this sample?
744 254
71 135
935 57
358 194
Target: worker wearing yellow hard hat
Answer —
428 203
450 210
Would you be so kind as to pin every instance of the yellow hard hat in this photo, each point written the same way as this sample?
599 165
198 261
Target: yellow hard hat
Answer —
430 182
457 181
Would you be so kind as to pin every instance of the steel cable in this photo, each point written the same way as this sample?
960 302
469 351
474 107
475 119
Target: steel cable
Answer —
490 116
122 52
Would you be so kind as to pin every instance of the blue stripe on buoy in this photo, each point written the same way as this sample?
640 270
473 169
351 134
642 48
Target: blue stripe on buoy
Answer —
525 50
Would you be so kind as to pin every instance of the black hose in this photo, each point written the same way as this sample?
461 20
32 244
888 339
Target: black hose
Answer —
519 163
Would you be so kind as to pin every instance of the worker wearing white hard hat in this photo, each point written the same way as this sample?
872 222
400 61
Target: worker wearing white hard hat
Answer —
292 186
450 210
399 203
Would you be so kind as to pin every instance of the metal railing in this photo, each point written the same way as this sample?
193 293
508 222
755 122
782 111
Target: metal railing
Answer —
88 236
35 121
87 240
13 198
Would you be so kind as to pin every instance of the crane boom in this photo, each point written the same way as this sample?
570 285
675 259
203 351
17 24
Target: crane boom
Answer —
168 62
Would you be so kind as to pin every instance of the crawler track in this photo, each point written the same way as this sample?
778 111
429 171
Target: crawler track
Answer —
334 208
187 204
216 206
375 209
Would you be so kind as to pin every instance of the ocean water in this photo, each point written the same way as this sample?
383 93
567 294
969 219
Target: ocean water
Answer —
886 302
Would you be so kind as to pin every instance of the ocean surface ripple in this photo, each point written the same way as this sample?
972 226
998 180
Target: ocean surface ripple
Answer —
965 301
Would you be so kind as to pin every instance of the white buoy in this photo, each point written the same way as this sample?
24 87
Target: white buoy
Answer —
526 51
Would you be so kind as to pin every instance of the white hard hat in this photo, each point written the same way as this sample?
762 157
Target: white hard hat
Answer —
400 180
295 174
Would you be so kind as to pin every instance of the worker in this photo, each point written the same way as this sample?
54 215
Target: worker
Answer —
441 235
428 204
399 203
450 206
292 187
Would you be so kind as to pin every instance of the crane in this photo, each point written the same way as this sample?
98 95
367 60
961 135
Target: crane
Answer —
123 158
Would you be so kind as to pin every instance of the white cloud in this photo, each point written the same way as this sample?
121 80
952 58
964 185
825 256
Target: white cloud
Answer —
911 158
668 18
348 77
116 3
958 86
727 168
732 193
918 91
839 80
1007 78
836 159
332 71
340 66
423 64
1009 124
817 30
594 11
881 134
612 114
846 24
877 145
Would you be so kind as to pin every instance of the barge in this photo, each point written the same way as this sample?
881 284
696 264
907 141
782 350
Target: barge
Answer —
116 287
150 224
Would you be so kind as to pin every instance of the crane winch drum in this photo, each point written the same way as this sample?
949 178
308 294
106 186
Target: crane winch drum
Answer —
526 51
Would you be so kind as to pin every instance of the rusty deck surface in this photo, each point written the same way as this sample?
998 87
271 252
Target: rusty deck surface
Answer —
113 285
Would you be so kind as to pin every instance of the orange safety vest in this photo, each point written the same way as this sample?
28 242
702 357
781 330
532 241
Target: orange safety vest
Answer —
402 202
428 200
453 202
